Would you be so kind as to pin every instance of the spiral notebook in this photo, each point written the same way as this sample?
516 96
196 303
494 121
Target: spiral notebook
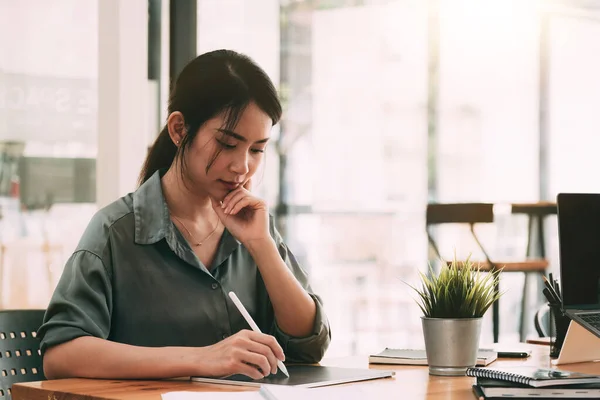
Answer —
493 389
533 376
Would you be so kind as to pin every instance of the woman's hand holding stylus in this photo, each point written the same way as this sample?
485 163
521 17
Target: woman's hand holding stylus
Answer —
247 352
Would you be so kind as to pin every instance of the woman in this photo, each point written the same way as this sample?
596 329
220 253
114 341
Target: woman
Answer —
144 295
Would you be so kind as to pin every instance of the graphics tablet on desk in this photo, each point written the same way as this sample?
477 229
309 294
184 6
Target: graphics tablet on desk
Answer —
304 376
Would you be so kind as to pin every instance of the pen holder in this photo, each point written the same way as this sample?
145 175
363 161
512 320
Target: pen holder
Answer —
560 324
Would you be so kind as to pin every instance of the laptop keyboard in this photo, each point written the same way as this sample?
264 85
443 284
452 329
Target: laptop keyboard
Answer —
592 319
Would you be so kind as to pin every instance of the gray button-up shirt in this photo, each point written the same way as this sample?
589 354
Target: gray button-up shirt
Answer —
134 279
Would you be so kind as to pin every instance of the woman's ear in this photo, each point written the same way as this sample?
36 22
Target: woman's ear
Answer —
176 127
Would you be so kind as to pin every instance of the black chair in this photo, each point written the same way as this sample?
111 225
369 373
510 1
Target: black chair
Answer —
20 358
542 321
481 213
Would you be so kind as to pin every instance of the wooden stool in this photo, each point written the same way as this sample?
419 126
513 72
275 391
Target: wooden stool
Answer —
536 242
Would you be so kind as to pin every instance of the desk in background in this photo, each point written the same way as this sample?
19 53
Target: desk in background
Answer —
545 341
411 382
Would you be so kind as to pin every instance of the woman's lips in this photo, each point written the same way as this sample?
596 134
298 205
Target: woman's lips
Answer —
229 185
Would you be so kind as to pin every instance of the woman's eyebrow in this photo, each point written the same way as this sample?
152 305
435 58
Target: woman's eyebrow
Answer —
238 136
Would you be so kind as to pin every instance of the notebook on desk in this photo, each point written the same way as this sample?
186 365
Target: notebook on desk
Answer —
304 376
533 376
496 389
419 357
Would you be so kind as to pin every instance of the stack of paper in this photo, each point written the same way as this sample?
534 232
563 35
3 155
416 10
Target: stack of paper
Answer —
253 395
276 392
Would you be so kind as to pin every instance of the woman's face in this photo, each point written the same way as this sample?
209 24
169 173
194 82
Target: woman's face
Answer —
240 152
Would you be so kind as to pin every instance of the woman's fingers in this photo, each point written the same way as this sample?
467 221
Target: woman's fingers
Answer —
233 198
258 360
255 354
245 202
239 202
250 370
265 350
269 341
229 195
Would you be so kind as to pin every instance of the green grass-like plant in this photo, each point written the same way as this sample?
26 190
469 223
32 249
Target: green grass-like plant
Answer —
460 290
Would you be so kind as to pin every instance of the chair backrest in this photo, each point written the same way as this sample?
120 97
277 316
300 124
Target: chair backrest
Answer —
542 321
465 213
20 359
458 213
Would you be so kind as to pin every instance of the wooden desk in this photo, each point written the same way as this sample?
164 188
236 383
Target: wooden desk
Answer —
413 382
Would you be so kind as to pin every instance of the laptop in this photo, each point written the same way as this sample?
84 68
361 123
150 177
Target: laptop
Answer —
579 250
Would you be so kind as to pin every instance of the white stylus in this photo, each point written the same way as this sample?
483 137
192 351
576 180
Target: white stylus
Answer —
253 325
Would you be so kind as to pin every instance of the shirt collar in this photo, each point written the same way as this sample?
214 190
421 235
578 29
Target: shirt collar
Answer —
151 214
153 222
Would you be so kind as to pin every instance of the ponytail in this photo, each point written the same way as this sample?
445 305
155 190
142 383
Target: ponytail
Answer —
161 155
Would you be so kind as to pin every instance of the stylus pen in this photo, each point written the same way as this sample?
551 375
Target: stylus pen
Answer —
253 325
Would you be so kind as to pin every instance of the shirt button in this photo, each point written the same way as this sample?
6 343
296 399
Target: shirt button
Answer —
214 286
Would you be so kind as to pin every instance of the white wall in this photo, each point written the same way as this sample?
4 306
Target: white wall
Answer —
122 96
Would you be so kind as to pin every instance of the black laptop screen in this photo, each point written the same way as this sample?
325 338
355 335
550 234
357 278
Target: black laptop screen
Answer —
579 249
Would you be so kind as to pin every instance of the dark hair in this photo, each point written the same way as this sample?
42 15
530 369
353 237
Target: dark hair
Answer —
221 81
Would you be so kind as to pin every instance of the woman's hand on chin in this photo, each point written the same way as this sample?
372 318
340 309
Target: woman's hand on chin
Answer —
244 215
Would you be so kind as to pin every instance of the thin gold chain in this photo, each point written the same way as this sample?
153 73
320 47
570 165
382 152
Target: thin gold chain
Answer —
197 243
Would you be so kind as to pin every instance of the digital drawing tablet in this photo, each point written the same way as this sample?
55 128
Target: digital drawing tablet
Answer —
303 376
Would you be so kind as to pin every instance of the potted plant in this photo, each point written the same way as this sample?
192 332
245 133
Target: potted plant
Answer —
453 305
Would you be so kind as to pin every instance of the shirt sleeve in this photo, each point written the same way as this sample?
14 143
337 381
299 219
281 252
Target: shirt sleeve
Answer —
309 349
81 304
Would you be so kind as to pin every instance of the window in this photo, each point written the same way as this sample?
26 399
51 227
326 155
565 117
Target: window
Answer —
48 114
352 80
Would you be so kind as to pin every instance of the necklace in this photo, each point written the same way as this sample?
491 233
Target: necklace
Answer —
197 243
